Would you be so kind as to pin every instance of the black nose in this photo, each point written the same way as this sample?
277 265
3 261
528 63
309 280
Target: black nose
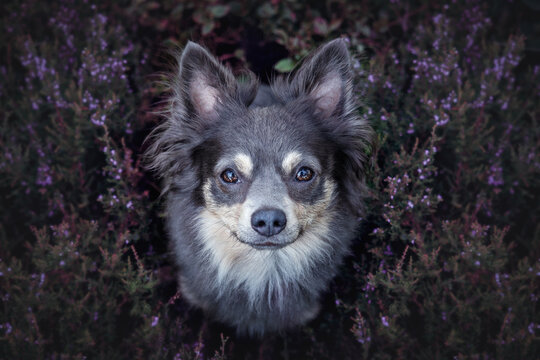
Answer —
268 222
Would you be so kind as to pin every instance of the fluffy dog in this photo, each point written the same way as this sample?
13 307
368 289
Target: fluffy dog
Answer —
263 185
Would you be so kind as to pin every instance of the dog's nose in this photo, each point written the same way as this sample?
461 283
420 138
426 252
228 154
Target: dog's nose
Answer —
268 222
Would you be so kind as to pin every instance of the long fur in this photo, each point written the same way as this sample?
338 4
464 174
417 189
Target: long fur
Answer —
209 113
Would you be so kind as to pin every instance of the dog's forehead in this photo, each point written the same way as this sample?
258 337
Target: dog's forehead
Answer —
267 135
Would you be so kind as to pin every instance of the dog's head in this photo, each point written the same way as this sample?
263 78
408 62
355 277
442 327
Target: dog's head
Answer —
267 173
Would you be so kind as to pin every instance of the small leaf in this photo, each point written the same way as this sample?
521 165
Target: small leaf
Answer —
320 26
207 27
240 54
198 17
285 65
335 24
219 10
266 10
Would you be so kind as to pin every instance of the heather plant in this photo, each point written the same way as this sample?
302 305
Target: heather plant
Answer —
73 283
447 260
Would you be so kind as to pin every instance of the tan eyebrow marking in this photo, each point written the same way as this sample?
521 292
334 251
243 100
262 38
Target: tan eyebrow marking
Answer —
290 161
244 164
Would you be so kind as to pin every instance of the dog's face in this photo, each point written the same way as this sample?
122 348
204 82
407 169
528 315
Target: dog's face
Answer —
271 176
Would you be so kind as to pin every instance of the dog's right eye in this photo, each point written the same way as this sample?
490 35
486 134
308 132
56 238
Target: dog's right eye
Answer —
304 174
229 176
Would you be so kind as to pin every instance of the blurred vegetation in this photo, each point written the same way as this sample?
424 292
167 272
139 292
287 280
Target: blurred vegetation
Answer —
446 265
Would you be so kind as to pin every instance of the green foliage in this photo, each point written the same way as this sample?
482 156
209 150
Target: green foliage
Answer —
447 264
285 65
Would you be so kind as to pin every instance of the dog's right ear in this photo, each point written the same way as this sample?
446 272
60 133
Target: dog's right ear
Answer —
203 83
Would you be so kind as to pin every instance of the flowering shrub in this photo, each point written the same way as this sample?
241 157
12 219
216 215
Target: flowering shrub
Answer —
447 262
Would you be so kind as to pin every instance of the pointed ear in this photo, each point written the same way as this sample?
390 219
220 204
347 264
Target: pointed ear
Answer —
325 76
203 81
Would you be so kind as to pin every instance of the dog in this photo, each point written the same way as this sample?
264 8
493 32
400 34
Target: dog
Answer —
263 185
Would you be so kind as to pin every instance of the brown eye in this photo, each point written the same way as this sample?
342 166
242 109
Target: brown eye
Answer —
229 176
304 174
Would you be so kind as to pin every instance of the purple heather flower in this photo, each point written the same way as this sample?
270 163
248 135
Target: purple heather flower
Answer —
44 176
384 321
155 320
437 18
442 120
97 120
497 279
495 177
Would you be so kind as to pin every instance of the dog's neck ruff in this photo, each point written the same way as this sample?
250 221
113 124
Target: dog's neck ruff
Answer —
264 275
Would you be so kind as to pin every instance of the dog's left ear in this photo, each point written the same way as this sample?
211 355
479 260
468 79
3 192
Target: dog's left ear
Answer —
325 76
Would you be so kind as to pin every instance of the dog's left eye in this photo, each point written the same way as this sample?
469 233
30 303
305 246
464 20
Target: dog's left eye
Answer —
304 174
229 176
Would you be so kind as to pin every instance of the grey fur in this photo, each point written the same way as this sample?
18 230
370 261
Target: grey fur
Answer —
306 119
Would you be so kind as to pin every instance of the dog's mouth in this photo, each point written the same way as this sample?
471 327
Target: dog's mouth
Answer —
271 243
268 246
